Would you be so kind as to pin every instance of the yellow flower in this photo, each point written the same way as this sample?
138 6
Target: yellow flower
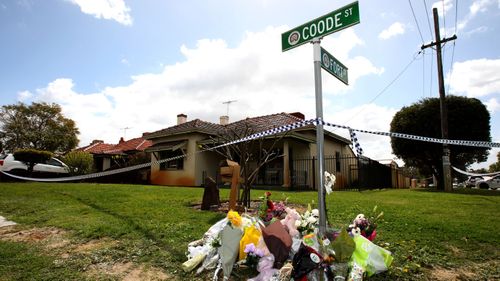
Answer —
234 218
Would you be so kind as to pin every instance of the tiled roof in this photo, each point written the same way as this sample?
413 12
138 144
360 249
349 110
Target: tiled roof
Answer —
96 147
263 123
195 125
137 144
99 147
250 125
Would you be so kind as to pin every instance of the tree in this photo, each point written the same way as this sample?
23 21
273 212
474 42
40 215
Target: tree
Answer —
468 119
495 167
251 155
32 157
39 126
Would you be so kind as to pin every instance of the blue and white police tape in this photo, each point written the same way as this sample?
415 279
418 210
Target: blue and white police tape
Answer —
270 132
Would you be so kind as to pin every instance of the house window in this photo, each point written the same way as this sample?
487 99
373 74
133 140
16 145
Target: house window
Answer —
175 164
337 161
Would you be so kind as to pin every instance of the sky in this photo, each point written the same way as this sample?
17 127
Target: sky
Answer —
120 68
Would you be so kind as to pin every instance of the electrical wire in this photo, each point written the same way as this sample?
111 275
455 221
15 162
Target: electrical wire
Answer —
423 74
451 67
432 67
416 22
428 19
453 50
444 19
388 85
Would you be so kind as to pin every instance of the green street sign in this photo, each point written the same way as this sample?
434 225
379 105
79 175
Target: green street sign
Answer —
333 66
332 22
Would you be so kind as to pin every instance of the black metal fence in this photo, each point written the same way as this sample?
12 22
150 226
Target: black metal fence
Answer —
351 173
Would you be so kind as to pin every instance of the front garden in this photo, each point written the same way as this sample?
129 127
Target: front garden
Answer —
81 231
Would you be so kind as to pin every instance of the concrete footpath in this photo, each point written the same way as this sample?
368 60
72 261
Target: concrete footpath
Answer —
5 222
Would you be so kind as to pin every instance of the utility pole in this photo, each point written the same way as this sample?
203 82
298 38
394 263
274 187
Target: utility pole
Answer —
442 101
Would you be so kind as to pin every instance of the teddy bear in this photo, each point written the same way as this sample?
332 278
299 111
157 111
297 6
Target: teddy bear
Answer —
265 267
290 221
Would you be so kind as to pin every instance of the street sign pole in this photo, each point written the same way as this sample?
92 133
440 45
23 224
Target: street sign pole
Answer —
313 31
319 135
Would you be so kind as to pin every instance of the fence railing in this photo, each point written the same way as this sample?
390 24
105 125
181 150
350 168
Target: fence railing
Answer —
351 173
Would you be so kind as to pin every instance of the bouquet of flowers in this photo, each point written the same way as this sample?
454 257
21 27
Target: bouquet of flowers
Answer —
253 255
366 226
309 221
266 208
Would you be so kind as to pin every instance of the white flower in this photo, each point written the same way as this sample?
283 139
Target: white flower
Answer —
360 217
298 223
315 213
356 231
312 220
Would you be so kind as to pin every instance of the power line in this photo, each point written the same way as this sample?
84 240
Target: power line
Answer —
428 19
451 66
423 75
444 19
453 50
416 22
388 85
432 67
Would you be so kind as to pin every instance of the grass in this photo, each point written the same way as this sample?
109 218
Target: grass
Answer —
105 231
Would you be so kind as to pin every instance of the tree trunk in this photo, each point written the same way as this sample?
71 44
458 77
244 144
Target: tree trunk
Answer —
30 169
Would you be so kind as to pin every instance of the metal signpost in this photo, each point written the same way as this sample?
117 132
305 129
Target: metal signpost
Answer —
313 31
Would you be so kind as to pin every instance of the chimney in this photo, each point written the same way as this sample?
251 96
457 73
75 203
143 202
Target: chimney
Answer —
96 141
181 118
121 140
224 120
299 115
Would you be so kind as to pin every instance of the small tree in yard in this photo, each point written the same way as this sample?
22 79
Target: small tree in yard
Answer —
252 155
79 162
32 157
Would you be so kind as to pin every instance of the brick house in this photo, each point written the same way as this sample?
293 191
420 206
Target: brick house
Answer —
106 155
188 138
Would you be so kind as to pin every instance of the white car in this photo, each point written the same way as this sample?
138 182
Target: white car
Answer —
489 183
472 180
53 167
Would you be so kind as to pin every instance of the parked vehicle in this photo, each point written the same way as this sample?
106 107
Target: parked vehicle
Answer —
53 167
472 180
489 182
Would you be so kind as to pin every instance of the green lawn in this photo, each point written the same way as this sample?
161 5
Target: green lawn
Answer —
105 231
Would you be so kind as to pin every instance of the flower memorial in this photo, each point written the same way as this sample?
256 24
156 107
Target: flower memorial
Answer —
253 255
366 226
281 244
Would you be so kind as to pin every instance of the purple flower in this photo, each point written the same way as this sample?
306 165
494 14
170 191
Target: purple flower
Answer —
249 248
259 252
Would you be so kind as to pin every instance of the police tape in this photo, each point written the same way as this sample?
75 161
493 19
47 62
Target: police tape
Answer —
420 138
475 174
270 132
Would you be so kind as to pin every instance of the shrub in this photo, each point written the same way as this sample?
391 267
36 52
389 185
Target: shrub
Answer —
79 162
32 157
